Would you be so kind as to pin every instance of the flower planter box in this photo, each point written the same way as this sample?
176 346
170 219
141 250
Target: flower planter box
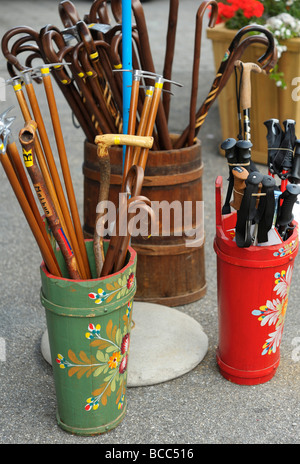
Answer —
268 100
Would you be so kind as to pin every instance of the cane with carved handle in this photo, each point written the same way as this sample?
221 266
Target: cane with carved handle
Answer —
103 143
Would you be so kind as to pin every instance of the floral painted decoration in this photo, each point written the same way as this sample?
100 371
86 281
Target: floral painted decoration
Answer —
117 289
287 248
273 312
109 364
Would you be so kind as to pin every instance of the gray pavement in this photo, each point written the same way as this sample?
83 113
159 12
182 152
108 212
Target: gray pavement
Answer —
200 407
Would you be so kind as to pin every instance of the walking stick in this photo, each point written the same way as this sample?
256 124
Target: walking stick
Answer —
12 151
169 53
143 121
26 137
268 60
245 92
68 13
136 78
152 116
64 82
196 62
104 142
65 169
138 12
133 203
20 195
38 149
48 154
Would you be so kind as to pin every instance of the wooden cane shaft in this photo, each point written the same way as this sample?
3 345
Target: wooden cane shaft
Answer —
46 254
26 138
142 124
20 171
49 156
131 127
78 239
150 123
39 153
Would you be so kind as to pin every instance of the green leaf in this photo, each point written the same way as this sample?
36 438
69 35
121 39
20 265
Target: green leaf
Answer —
110 349
113 384
118 337
100 356
99 370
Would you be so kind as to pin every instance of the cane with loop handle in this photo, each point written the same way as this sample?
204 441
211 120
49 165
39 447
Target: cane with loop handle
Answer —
103 143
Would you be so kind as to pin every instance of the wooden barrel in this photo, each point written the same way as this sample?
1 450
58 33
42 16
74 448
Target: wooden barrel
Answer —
168 271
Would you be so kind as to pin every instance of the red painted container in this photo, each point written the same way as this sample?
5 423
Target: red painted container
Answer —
253 287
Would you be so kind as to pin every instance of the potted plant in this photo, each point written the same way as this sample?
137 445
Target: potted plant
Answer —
276 96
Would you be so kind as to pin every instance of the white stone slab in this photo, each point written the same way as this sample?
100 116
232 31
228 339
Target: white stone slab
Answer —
165 344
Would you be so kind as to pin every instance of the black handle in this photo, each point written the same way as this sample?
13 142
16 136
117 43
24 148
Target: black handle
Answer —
274 136
244 152
284 156
229 146
295 172
285 214
266 208
230 152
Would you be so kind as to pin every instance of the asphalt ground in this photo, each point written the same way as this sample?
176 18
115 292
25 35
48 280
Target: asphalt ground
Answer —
200 407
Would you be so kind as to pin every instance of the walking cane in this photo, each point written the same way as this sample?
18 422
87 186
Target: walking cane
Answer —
143 121
245 92
133 203
55 190
196 62
17 86
169 53
48 153
26 137
268 60
103 143
68 13
136 78
65 169
152 115
12 151
20 195
65 82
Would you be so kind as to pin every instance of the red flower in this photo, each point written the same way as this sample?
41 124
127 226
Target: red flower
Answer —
249 9
125 343
123 364
130 280
253 8
226 12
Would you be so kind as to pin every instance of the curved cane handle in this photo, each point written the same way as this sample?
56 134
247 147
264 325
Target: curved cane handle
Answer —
247 68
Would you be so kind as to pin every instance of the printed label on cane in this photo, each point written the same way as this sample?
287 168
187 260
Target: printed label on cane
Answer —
45 204
28 159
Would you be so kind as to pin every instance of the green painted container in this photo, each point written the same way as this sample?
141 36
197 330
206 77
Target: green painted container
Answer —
89 326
